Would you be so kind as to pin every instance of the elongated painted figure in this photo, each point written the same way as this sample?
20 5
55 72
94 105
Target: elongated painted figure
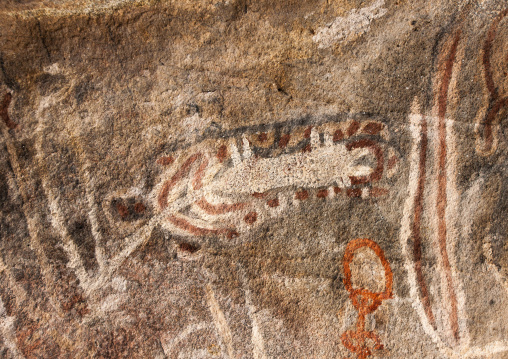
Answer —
227 186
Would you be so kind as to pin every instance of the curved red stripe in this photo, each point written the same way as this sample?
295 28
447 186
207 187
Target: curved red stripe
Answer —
219 208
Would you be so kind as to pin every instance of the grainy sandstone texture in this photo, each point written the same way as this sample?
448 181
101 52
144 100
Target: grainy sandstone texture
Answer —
253 179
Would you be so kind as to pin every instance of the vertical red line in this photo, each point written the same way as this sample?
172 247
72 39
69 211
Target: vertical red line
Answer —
415 230
441 194
487 49
494 104
4 111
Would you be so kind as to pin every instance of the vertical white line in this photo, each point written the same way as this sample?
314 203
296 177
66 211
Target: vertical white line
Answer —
438 279
453 199
415 119
8 332
31 218
57 218
258 342
92 214
220 321
487 252
246 150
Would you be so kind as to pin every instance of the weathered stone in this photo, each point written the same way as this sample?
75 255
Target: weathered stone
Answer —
253 179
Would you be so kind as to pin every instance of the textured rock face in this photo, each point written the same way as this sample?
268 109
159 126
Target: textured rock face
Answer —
253 179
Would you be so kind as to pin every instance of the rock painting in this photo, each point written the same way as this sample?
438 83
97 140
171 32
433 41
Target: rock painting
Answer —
496 97
496 265
125 175
434 197
361 341
228 186
126 210
356 23
4 111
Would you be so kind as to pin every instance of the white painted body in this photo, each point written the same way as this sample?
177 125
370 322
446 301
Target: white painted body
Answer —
247 182
322 167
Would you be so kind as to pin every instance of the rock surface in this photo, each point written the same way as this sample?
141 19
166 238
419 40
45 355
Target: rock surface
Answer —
253 179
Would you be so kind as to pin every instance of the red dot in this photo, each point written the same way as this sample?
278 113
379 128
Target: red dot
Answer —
284 140
373 128
307 132
222 153
322 193
338 135
139 207
188 247
251 217
231 234
354 192
355 126
122 210
302 195
273 203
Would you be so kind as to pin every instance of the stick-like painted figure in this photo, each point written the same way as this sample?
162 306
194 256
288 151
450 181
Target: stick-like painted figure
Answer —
365 301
